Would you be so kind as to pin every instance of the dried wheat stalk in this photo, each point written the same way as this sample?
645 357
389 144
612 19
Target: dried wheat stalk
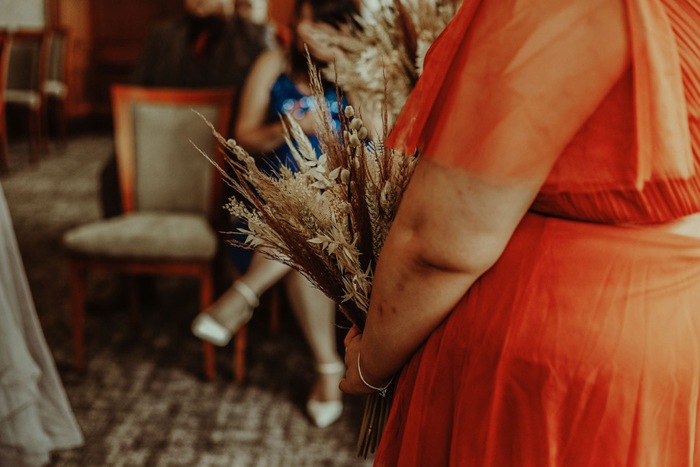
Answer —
389 47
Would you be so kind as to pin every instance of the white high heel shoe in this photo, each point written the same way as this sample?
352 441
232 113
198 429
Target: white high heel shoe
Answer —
324 413
207 328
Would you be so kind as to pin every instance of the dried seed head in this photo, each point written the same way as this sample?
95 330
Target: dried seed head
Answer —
349 112
345 176
362 134
346 135
356 124
286 173
355 140
232 143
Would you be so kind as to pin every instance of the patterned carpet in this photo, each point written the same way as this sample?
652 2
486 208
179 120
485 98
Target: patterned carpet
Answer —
142 400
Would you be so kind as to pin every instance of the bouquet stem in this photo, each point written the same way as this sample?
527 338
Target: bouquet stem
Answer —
374 421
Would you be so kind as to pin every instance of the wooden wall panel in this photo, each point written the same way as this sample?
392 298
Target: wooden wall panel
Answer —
74 16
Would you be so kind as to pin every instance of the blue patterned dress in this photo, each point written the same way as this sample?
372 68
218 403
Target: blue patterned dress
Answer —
286 98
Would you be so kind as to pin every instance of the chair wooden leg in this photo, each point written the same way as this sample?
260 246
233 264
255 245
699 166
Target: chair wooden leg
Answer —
62 122
274 311
45 127
134 304
206 297
77 289
239 345
209 361
35 135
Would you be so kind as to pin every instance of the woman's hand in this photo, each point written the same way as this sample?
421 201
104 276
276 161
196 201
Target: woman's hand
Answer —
352 384
308 122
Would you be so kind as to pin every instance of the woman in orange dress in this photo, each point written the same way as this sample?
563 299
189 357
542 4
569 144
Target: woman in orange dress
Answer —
540 286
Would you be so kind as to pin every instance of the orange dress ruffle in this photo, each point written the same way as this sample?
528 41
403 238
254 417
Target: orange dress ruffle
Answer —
581 346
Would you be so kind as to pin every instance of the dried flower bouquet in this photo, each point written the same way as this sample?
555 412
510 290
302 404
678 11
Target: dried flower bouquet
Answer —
388 47
329 218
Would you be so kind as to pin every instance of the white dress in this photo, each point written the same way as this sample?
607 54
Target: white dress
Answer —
35 417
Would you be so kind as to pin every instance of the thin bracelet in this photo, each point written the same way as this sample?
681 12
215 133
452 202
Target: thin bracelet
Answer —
382 391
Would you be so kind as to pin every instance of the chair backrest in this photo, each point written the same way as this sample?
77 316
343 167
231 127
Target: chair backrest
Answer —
159 168
26 67
56 56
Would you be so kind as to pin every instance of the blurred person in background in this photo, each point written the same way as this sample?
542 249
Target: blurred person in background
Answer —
208 47
279 84
35 416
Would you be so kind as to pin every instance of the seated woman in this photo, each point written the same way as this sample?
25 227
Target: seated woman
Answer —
277 84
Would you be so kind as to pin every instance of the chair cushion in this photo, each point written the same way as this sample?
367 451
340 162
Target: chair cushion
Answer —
145 236
27 98
55 88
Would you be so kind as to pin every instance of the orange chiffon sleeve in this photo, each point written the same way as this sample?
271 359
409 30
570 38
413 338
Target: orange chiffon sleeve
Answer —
595 99
524 78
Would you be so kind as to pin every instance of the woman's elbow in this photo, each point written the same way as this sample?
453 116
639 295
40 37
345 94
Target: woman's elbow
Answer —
465 254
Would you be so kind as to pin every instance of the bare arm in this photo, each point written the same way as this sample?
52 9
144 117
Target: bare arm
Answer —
453 225
252 131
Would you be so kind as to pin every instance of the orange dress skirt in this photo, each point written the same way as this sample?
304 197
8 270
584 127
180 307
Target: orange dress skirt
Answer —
581 345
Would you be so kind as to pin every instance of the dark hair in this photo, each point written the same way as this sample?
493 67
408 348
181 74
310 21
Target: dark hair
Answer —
333 12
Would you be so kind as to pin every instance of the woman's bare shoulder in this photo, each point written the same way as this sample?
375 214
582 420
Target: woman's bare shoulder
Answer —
271 63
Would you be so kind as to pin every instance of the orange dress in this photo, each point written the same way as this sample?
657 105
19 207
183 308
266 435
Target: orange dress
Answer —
581 346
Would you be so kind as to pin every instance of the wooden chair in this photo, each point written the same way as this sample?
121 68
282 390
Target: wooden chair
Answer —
4 55
170 195
55 85
26 72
